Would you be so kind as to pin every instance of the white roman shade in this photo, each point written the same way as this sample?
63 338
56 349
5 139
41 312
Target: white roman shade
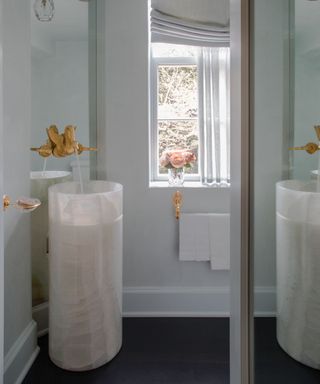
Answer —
200 23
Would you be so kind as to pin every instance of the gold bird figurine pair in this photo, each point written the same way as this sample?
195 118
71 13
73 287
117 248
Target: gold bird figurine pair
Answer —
61 145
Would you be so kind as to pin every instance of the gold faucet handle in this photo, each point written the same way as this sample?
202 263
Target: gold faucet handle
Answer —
44 151
81 148
311 148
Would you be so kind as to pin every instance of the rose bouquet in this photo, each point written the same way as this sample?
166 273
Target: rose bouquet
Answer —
177 158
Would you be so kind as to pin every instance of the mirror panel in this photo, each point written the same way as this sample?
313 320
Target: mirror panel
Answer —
63 79
63 92
286 52
306 83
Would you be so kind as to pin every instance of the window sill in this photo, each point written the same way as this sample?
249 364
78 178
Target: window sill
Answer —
186 184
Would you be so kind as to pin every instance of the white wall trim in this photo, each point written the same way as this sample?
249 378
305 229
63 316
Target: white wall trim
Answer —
21 355
40 314
265 301
28 365
190 302
176 302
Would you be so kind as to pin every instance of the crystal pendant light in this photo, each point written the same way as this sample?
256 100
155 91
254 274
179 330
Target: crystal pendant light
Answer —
44 9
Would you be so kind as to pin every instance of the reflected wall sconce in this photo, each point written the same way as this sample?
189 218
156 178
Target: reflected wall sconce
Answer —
44 9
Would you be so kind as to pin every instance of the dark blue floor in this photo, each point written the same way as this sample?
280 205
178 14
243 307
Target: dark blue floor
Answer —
272 364
179 351
154 351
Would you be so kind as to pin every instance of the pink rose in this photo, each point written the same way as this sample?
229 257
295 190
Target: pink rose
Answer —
164 159
189 157
177 159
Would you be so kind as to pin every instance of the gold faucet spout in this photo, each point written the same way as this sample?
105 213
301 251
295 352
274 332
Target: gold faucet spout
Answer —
81 149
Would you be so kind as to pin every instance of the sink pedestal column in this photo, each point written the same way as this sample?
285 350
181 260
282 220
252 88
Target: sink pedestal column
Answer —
40 182
298 270
85 264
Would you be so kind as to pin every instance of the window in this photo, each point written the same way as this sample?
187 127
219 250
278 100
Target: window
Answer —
175 105
189 109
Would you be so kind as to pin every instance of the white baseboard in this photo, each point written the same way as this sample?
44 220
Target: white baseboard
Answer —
27 367
265 302
21 355
176 302
190 302
40 314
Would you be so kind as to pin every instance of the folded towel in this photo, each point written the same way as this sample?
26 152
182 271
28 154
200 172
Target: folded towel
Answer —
220 241
194 237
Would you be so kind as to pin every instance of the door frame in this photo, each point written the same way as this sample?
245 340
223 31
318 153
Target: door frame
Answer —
241 327
1 210
241 300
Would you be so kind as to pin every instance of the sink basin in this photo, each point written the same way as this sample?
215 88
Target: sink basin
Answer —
48 174
298 270
40 182
314 174
85 268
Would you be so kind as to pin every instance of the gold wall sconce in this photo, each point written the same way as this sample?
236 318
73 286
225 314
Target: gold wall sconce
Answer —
25 204
177 202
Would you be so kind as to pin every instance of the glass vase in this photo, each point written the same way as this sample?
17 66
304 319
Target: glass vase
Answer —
175 176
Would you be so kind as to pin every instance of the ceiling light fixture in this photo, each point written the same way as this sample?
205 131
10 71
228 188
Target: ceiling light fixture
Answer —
44 9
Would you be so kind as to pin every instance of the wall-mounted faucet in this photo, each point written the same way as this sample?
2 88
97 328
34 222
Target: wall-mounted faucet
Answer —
61 145
311 148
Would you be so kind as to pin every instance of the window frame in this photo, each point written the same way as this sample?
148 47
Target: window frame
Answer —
206 136
155 62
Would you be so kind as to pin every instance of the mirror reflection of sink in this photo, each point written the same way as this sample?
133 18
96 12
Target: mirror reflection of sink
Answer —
48 174
298 270
314 174
41 181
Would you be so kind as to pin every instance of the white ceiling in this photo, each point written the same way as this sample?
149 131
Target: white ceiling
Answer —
70 23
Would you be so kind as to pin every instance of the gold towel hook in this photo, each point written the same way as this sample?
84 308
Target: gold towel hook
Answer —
177 202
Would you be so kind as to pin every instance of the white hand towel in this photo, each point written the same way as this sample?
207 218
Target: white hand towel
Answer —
220 241
194 242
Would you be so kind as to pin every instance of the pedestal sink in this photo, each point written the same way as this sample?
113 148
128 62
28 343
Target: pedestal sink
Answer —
40 182
298 270
85 264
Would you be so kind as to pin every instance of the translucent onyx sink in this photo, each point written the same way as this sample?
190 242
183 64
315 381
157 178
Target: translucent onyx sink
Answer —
314 174
85 266
40 182
298 270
